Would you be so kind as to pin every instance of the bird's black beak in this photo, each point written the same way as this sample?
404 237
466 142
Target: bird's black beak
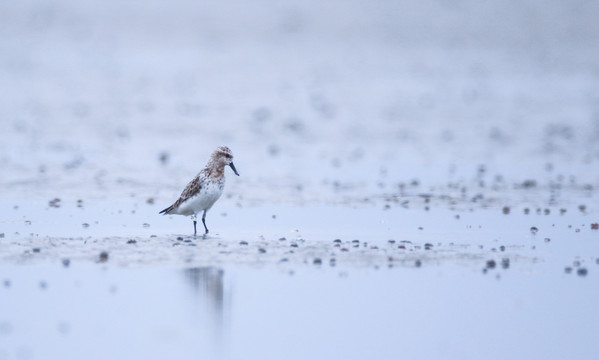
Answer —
233 167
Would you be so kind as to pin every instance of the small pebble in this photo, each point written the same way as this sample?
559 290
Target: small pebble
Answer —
317 261
337 241
293 245
547 240
428 246
582 272
103 256
243 243
85 225
391 241
505 263
502 248
491 264
418 263
567 269
262 250
36 250
534 229
595 226
282 239
146 225
131 241
506 210
179 238
66 262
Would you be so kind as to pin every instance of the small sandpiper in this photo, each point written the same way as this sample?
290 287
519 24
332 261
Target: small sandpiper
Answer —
203 191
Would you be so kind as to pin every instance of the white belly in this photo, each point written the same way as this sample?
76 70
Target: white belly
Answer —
203 201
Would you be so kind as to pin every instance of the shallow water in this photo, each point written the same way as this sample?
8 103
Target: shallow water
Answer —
417 179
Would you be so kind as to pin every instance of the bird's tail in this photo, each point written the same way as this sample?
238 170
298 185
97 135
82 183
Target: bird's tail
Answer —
167 210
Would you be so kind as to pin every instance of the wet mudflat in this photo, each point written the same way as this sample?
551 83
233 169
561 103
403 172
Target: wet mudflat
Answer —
417 180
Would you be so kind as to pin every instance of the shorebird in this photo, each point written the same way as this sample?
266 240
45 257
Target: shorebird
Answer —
203 191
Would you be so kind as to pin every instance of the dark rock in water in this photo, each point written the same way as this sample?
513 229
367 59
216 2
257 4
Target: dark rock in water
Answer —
534 229
179 238
66 262
491 264
103 257
317 261
582 272
131 241
262 250
243 243
293 245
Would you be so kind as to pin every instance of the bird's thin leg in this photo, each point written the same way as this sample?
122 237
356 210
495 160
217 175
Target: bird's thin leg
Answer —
204 221
193 217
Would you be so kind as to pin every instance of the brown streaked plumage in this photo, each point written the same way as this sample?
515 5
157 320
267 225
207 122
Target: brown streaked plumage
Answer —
203 191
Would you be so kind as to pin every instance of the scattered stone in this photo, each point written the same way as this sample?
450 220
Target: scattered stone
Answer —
179 238
567 269
317 261
418 263
582 272
85 225
262 250
103 257
529 183
428 246
131 241
284 260
146 225
293 245
344 249
562 211
243 243
337 241
595 226
506 210
150 201
505 263
1 235
491 264
403 247
43 285
55 203
391 241
79 203
534 230
274 217
282 239
547 240
355 241
66 262
502 248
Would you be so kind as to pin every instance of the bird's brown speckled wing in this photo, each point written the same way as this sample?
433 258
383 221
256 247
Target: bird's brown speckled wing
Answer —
192 189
